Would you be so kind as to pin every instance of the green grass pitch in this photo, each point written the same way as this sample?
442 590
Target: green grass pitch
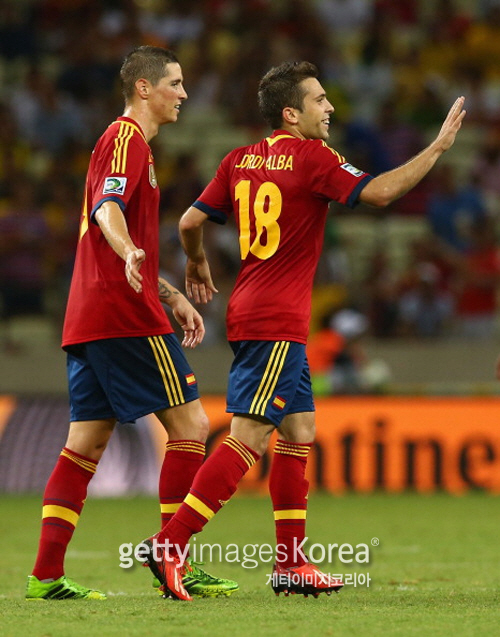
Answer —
434 572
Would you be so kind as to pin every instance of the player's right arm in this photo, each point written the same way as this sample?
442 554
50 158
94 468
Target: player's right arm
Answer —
199 284
389 186
114 227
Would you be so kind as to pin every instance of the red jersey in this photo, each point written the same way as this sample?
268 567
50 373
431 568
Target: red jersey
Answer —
279 190
101 303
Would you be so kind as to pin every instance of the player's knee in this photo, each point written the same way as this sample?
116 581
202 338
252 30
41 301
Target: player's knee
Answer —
88 450
298 430
90 438
252 431
198 426
204 427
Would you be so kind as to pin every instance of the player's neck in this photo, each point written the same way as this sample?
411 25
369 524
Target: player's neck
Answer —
293 130
148 127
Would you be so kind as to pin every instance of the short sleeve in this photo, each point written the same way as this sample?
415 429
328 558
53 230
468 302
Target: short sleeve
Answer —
215 201
332 177
118 170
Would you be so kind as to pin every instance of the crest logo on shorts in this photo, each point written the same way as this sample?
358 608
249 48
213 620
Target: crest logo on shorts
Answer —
190 379
114 185
279 402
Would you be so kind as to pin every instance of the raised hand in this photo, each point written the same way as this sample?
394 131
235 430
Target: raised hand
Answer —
451 124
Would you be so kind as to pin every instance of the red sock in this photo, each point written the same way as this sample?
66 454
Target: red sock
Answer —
213 486
182 460
288 488
63 502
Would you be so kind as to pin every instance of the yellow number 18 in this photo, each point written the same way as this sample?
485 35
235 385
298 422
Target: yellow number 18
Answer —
266 210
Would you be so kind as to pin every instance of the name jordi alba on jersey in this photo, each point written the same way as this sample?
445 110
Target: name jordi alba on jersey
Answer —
273 162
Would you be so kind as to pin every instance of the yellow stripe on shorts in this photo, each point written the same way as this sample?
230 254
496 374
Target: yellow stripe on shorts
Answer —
167 370
270 378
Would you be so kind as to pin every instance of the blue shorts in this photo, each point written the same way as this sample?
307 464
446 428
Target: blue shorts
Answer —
126 378
269 379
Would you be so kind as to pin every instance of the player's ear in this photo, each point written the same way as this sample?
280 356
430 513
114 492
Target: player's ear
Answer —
142 87
290 115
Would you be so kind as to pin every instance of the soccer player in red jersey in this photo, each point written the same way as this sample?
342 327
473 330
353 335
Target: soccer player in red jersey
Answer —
123 358
278 191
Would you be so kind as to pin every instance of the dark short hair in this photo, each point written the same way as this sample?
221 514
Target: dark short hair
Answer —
280 87
146 62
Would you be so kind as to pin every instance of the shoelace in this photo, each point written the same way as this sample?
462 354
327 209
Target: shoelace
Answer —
193 568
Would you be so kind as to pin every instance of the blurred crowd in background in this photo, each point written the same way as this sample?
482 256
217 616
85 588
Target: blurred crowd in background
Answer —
428 267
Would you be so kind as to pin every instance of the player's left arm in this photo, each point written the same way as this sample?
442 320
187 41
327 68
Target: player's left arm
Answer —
199 284
389 186
113 225
185 314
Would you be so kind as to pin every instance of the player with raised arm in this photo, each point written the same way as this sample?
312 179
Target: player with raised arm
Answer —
278 191
123 358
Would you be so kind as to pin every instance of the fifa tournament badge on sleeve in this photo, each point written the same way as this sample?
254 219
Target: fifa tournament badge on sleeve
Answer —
152 176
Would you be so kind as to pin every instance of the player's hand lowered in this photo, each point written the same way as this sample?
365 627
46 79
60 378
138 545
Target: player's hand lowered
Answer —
133 262
189 319
199 285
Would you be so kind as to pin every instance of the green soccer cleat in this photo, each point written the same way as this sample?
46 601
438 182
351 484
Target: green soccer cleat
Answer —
199 583
62 588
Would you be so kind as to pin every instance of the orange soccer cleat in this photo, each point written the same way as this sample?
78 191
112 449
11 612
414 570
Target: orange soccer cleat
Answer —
303 580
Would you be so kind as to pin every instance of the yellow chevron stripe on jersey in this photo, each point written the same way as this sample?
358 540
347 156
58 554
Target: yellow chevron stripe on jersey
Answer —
136 128
56 511
85 464
290 514
84 224
340 157
167 371
116 161
240 448
272 140
199 506
270 378
119 162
